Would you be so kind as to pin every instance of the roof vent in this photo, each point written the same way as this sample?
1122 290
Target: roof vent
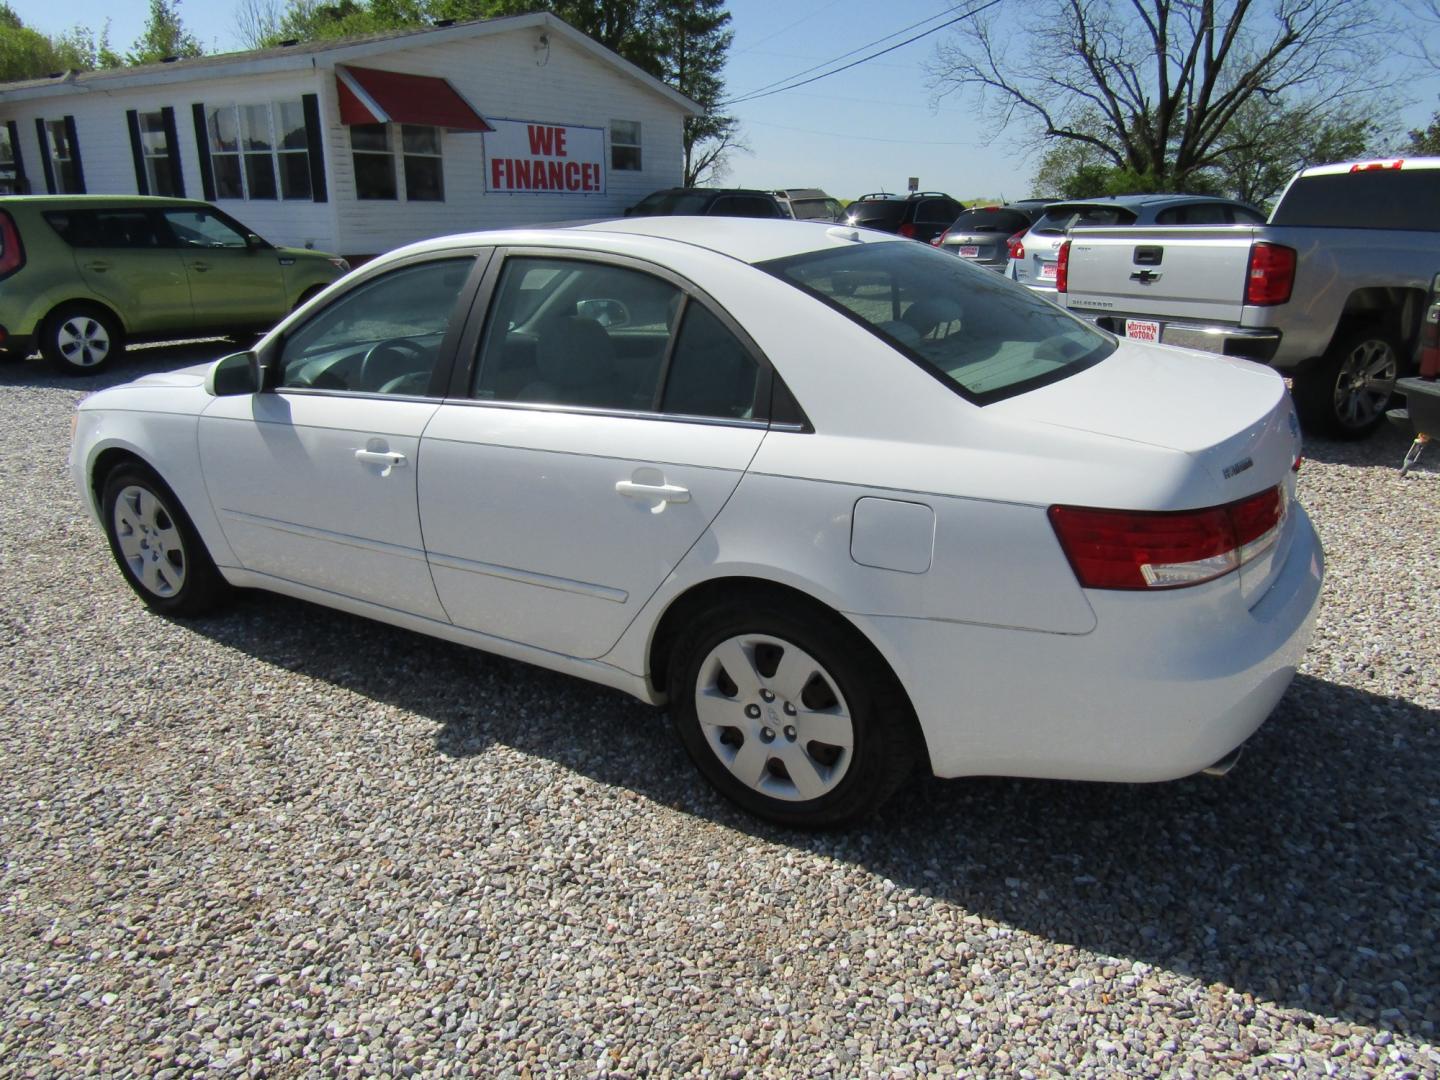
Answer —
168 59
444 22
288 42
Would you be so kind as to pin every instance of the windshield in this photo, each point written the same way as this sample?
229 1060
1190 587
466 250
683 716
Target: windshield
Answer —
984 336
670 202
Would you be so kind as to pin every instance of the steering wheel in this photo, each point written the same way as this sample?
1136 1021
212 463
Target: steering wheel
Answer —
386 360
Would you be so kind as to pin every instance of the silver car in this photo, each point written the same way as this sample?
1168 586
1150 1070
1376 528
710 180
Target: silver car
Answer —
982 234
1034 260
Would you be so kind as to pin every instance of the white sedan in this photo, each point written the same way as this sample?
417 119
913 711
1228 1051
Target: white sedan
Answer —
847 504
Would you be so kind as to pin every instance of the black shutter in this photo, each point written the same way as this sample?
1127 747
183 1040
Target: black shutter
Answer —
137 155
172 147
75 154
315 142
22 185
44 137
202 145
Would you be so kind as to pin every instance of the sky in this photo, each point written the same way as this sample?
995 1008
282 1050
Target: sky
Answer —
866 129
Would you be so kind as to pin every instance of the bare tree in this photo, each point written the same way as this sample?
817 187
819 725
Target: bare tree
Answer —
1153 86
257 22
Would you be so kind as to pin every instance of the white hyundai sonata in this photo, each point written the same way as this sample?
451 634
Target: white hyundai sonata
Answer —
847 503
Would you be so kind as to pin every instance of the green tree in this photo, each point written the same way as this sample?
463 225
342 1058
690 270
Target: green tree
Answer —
28 54
691 40
164 36
1426 140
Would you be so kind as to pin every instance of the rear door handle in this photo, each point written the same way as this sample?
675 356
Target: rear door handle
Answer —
389 458
666 493
200 266
97 265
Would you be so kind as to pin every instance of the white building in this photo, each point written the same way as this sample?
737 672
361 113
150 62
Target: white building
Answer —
362 144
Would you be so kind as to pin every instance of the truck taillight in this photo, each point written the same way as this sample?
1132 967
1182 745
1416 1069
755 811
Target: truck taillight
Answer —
1430 334
1136 549
940 239
1270 275
12 252
1014 246
1062 268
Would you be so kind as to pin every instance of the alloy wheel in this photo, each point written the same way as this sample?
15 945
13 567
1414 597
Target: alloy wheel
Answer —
83 341
1365 382
150 543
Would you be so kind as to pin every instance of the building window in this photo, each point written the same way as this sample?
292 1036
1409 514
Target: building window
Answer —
155 147
421 166
62 158
11 179
260 151
625 144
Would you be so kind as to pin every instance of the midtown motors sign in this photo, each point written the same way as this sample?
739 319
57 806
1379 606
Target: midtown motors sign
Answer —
527 156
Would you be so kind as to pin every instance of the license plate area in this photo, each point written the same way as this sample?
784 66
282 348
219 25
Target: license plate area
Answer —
1047 271
1142 329
970 251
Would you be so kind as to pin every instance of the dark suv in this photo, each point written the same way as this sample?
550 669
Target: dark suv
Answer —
920 216
709 202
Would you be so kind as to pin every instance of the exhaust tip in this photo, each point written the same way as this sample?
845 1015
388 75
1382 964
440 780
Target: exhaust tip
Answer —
1225 764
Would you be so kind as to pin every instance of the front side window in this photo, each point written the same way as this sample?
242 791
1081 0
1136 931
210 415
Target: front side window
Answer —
156 151
381 337
981 335
202 229
62 158
259 151
625 145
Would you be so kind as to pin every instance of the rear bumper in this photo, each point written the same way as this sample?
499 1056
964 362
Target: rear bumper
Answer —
1166 684
21 345
1259 345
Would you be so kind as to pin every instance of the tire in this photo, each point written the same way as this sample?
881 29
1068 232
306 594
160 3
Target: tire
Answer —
790 716
81 339
159 553
1345 396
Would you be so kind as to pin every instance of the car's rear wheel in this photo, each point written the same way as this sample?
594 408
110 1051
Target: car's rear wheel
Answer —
1345 396
155 544
789 716
81 339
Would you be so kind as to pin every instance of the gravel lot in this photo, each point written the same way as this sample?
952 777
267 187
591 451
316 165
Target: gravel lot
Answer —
283 841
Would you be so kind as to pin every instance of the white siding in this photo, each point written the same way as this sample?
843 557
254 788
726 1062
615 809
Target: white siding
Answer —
499 76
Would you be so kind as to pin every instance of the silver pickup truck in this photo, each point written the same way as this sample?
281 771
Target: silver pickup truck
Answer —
1329 292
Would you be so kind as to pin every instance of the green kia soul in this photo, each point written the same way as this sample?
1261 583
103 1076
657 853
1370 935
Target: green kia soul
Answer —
80 275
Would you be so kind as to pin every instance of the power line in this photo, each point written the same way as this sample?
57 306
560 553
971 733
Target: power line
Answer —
764 92
858 138
788 26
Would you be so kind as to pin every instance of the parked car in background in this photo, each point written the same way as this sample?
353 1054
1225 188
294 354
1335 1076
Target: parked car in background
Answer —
1331 292
84 274
709 202
922 517
921 215
810 204
1033 260
982 234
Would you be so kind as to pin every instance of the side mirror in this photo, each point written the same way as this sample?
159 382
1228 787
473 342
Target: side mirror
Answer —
606 312
254 243
234 375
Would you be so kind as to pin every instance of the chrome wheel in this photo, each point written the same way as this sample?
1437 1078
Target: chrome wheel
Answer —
1365 382
149 541
774 717
83 341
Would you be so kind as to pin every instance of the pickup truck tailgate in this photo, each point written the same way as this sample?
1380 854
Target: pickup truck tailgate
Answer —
1190 273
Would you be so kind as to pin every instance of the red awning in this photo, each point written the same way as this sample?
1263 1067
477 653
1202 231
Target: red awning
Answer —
370 96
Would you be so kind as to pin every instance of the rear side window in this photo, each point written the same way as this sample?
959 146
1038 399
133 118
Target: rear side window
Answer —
990 219
980 335
105 228
1060 219
1373 199
1206 214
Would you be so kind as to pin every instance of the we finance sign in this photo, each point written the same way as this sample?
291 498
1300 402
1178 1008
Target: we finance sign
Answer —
528 156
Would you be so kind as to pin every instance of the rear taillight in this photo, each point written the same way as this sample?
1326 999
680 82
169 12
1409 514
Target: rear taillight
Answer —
940 239
1270 275
1014 247
1062 268
1134 549
907 230
12 252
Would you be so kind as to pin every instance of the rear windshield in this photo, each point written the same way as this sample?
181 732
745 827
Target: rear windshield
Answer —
815 209
1373 199
991 219
1060 219
670 202
983 336
880 211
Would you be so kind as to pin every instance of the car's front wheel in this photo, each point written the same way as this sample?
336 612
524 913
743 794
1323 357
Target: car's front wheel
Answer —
788 716
1347 393
156 546
80 339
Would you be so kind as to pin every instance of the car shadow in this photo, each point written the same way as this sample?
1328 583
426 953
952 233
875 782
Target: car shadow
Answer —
1384 448
138 360
1277 881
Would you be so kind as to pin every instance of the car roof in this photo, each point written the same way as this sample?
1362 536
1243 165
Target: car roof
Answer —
711 191
749 240
1136 201
83 201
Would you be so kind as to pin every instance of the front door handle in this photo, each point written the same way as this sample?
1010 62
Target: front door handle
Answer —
388 458
97 265
200 266
666 493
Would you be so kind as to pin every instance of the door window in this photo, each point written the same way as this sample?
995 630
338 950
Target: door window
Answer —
711 372
382 337
202 229
105 228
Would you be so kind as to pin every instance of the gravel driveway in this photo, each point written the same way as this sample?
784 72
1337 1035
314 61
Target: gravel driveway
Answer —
283 841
